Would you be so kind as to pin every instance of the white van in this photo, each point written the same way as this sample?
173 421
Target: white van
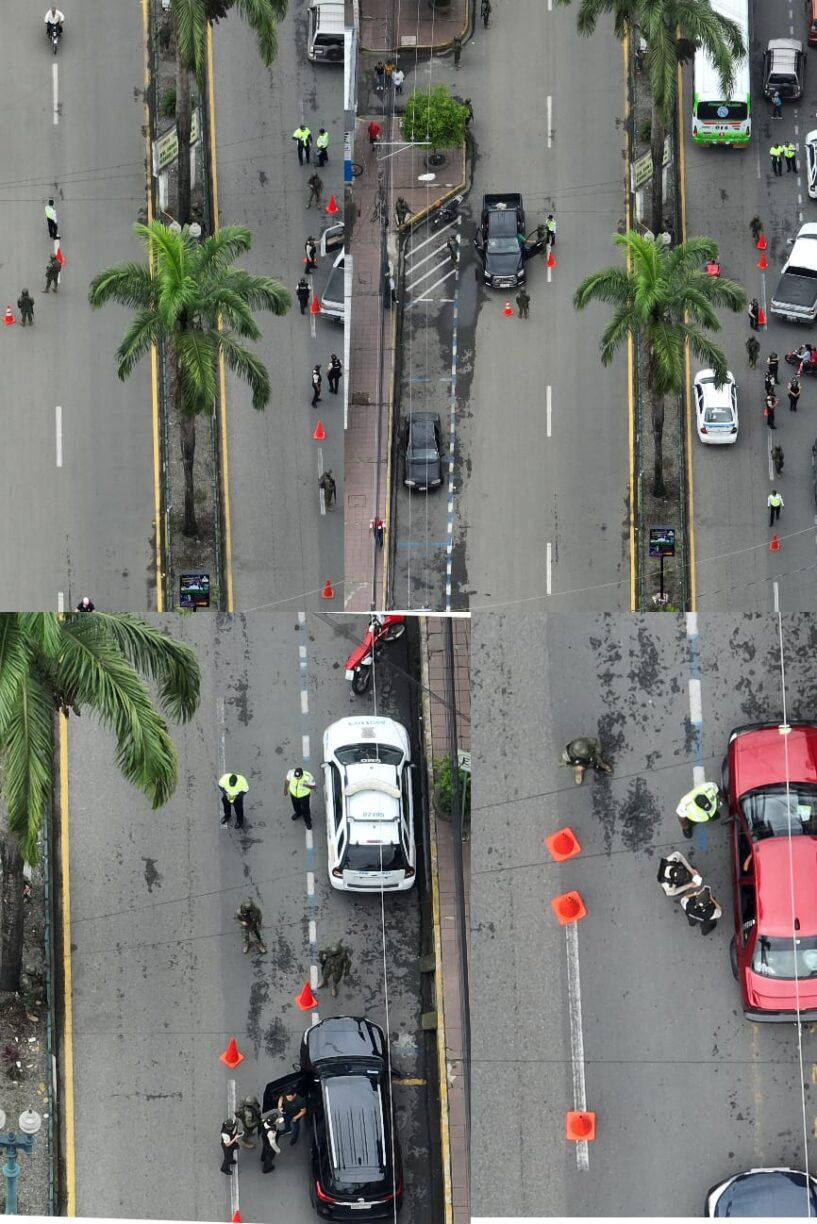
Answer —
324 43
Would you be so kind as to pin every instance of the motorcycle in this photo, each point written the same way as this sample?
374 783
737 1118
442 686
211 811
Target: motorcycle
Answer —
360 661
54 33
804 360
444 214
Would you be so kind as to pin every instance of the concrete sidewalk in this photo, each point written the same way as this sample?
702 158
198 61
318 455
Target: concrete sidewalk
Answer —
448 851
417 27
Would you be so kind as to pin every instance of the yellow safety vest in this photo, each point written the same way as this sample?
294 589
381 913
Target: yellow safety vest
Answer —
323 141
299 787
241 786
689 809
775 499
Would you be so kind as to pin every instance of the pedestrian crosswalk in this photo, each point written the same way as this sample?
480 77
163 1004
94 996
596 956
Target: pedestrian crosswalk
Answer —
432 265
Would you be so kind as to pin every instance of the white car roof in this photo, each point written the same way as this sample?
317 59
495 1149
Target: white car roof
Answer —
366 729
372 802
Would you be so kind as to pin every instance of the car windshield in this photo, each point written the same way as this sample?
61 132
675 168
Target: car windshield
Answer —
735 112
719 414
423 456
774 812
374 858
786 958
503 246
355 753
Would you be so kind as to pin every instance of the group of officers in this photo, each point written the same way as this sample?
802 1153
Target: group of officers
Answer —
677 876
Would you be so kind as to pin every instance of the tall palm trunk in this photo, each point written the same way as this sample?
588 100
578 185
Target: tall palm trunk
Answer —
11 915
188 439
184 119
657 136
658 487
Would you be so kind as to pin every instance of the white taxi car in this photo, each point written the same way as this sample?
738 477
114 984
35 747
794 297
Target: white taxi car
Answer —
367 777
716 408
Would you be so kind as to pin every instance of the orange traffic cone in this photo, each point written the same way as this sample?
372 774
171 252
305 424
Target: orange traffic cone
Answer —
507 310
236 1217
550 261
763 263
328 591
761 318
563 845
332 206
568 908
580 1126
306 1000
761 243
315 304
320 433
232 1056
774 543
8 317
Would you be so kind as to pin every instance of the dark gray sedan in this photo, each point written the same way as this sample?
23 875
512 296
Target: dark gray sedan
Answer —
423 459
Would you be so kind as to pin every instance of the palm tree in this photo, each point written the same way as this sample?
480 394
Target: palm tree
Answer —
97 661
182 296
663 299
190 21
672 29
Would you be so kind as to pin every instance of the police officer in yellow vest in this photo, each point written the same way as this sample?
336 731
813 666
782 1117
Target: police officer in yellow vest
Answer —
698 806
299 785
322 145
303 140
233 789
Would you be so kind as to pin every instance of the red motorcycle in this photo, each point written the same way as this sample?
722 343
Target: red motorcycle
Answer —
804 358
359 664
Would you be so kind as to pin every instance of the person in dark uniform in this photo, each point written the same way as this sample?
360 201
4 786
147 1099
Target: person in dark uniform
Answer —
249 1115
771 406
269 1141
771 365
249 918
334 373
303 294
794 393
229 1142
584 754
753 349
335 962
25 305
293 1107
523 302
701 909
317 383
310 254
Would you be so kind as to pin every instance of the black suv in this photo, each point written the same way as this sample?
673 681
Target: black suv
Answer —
344 1076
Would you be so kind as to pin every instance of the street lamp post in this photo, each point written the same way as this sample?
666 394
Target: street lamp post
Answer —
30 1123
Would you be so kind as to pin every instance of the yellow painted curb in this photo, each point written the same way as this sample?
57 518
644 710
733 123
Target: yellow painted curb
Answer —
68 1002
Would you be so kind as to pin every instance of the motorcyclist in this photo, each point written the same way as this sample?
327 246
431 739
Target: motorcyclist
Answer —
805 355
54 20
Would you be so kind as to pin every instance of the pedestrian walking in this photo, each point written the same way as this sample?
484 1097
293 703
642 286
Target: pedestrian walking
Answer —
250 919
776 154
550 230
374 132
777 103
754 314
469 109
52 275
401 209
310 254
701 909
775 503
229 1142
25 305
303 294
335 962
293 1107
523 302
380 76
249 1115
584 754
233 788
452 246
398 77
770 409
485 12
303 142
86 605
334 373
317 383
315 189
378 530
269 1140
773 365
753 350
777 460
676 875
790 157
794 393
326 481
768 383
698 806
51 220
456 43
322 146
388 69
299 785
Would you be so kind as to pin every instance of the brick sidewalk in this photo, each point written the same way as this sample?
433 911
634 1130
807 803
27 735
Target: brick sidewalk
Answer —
419 26
447 852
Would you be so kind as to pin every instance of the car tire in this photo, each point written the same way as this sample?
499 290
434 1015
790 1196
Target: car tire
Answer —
733 957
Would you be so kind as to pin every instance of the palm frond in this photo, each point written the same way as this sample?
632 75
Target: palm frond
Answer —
172 665
249 367
27 748
129 284
142 332
196 353
607 285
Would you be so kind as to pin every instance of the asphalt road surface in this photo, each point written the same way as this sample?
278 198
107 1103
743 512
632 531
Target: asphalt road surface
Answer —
76 468
725 189
639 1013
284 545
544 449
160 984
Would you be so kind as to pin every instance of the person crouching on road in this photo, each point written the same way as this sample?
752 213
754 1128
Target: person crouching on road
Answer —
584 754
698 806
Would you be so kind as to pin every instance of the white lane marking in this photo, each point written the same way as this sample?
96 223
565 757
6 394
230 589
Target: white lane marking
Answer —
313 931
55 94
304 701
59 435
310 841
776 594
550 119
548 410
60 601
692 624
231 1100
574 996
301 652
310 882
696 707
305 747
313 976
548 568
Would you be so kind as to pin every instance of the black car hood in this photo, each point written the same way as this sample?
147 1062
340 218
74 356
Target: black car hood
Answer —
423 473
503 265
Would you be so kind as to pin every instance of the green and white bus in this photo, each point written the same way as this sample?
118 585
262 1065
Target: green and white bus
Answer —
717 120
